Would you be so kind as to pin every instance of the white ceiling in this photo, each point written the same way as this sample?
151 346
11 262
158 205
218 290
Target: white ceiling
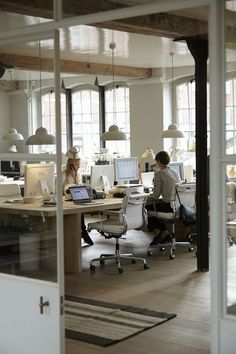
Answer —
91 44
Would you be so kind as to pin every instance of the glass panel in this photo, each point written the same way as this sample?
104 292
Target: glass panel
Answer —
73 8
230 193
11 16
230 146
28 232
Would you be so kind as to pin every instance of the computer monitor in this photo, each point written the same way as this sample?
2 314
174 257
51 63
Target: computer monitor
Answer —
179 168
126 169
39 178
10 168
102 176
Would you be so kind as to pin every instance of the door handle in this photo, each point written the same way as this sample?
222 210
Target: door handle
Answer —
42 304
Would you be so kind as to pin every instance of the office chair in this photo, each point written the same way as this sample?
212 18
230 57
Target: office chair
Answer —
132 215
187 196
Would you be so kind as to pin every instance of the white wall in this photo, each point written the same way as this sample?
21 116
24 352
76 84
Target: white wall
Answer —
19 116
146 120
4 117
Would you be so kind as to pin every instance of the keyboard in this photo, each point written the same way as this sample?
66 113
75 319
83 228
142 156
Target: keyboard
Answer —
94 202
14 200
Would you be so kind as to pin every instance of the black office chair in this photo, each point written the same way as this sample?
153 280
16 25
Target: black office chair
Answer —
131 216
185 193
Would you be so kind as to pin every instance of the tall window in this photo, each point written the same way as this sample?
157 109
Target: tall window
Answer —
85 121
49 116
118 113
230 119
186 113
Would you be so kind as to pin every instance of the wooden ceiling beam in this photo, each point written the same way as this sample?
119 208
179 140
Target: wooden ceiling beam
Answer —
166 25
72 67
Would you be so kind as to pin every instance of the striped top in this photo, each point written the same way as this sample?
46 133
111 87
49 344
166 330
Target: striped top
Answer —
164 181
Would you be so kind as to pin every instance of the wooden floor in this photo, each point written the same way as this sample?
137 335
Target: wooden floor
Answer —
169 285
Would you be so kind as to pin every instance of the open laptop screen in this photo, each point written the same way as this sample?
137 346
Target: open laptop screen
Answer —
79 194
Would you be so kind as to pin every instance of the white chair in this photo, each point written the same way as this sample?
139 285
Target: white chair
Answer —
187 196
131 216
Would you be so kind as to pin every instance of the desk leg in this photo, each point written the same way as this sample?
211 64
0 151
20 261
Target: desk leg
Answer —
72 243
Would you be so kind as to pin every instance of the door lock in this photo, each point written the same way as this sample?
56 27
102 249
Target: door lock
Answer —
42 304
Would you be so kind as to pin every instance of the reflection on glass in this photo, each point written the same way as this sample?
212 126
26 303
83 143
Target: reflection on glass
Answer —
28 243
230 194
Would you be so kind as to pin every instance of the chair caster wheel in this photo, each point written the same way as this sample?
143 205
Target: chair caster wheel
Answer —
102 261
133 261
92 267
149 253
146 266
172 256
120 270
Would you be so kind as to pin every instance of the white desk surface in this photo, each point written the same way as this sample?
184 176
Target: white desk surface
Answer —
68 207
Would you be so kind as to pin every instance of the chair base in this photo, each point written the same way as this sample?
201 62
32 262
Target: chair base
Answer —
172 245
117 257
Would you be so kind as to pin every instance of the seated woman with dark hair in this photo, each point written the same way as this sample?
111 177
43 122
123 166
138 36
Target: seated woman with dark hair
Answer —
165 179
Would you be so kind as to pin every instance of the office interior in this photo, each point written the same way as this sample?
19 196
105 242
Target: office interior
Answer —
151 111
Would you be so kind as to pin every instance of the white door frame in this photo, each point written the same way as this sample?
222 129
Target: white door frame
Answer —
223 338
32 289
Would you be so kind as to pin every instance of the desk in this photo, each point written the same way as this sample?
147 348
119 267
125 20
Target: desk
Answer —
72 224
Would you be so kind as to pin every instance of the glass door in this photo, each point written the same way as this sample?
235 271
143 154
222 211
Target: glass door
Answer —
31 227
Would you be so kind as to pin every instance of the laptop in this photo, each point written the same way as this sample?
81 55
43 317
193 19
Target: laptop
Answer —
81 195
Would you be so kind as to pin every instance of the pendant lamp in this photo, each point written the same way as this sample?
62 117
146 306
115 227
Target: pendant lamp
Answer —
13 136
172 131
113 132
41 136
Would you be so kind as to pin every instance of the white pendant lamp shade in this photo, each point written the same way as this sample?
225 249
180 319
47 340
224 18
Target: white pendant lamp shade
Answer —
113 134
41 137
13 135
172 132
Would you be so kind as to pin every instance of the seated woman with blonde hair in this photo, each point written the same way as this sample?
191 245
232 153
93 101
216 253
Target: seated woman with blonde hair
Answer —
71 175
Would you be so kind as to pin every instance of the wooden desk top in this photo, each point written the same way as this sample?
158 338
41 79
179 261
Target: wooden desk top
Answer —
68 207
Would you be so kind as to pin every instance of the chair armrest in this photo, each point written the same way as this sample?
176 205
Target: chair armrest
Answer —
112 212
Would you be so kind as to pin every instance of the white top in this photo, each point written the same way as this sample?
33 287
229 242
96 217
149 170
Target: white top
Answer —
69 179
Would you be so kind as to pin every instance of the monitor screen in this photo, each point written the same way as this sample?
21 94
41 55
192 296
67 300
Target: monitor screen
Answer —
97 173
126 169
179 168
37 177
10 168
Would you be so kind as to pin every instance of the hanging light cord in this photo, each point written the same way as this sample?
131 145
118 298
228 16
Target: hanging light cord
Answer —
172 84
40 82
112 47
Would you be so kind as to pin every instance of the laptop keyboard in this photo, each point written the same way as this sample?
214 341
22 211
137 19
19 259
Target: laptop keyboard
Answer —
94 202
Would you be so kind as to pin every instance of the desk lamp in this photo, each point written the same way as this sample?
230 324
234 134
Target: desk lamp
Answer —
147 160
